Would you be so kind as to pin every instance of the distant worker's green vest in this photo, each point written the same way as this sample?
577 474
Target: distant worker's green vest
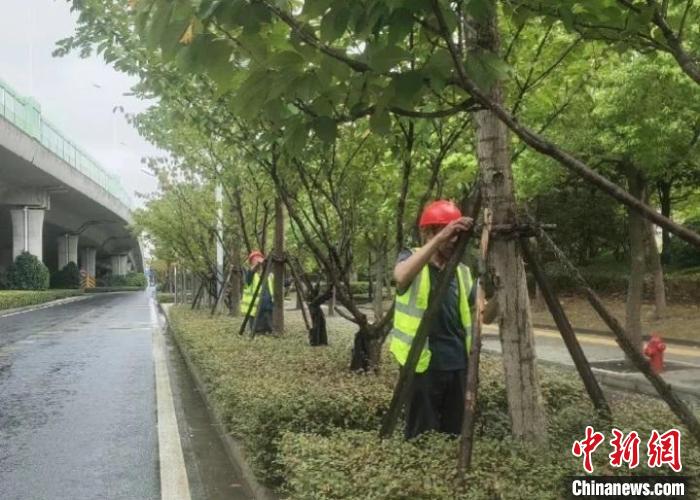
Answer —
410 307
249 290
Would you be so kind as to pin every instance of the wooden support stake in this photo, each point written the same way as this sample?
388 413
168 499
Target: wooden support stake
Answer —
223 291
665 391
298 286
195 298
471 393
567 333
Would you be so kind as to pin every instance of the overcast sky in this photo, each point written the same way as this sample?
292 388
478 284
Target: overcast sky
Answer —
77 95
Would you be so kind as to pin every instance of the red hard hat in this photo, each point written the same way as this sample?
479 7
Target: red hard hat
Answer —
439 212
255 257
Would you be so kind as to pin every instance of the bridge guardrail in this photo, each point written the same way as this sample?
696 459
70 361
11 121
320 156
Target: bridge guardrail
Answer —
25 114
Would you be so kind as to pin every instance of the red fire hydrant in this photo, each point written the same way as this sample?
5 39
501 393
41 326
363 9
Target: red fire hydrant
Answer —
654 350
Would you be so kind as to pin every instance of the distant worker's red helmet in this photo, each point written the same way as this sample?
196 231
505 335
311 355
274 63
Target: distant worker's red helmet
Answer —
255 257
440 212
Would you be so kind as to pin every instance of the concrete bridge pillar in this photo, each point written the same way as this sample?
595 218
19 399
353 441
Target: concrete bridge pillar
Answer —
27 231
5 258
88 260
67 250
119 265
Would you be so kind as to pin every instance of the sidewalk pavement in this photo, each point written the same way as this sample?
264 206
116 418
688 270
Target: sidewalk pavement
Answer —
550 348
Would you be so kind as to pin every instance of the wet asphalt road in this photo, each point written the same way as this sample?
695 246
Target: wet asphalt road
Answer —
78 407
77 402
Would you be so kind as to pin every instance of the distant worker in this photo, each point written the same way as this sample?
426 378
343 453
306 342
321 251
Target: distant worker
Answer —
437 398
261 312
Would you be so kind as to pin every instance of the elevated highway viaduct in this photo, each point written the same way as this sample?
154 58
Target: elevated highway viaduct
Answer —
55 201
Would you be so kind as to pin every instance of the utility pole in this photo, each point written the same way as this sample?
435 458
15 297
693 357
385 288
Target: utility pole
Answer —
219 238
278 269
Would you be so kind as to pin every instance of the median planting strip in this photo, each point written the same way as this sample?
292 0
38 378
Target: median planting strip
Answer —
309 427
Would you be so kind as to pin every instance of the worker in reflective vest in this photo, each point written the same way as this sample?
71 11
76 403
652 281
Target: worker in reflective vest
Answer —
437 399
261 312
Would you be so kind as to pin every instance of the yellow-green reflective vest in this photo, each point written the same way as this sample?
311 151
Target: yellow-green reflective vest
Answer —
249 290
410 307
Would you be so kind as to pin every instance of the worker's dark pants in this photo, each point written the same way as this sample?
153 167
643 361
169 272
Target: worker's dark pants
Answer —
436 403
263 323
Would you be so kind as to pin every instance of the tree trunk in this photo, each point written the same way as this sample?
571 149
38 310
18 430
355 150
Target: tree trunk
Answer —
299 299
657 270
318 335
379 273
176 288
370 275
278 271
664 188
235 286
635 288
525 404
366 350
331 305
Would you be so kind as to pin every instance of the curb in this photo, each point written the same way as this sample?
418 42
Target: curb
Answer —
598 333
602 333
45 305
628 382
634 382
234 448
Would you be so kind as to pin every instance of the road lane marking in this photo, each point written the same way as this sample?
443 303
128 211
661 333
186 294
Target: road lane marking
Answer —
174 484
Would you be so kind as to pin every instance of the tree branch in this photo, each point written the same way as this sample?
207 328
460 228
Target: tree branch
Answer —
547 148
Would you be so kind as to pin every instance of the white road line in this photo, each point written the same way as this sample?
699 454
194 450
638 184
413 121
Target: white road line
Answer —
173 474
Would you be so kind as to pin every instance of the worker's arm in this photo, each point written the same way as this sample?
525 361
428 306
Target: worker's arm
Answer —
406 270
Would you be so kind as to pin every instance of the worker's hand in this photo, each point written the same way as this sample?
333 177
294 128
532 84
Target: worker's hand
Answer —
454 228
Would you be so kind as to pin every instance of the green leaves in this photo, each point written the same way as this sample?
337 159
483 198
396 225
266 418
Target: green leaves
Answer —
326 128
159 24
335 22
296 137
380 121
406 87
385 58
486 68
286 59
315 8
480 10
400 25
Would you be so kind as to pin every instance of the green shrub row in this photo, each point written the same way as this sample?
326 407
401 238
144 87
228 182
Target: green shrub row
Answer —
165 298
129 280
310 427
266 386
11 299
66 278
27 272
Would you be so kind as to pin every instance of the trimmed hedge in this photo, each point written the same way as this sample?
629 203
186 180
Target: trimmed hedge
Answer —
165 298
66 278
261 393
27 272
11 299
310 427
128 280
